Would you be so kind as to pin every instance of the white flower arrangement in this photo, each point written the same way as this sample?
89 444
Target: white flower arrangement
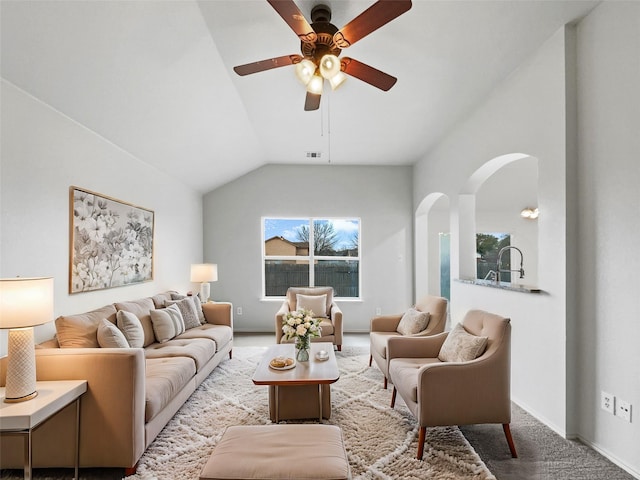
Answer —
301 324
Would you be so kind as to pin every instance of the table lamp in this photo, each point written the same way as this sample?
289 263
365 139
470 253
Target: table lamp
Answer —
24 303
204 273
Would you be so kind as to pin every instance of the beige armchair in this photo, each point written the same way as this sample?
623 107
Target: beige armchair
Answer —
455 393
385 327
331 325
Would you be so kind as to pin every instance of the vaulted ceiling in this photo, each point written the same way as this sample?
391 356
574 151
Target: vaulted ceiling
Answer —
156 77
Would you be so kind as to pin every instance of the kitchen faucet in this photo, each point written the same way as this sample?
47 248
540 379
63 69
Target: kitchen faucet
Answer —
499 267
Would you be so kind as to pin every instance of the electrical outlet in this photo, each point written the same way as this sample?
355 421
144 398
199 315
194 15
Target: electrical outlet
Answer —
623 410
378 311
239 311
607 402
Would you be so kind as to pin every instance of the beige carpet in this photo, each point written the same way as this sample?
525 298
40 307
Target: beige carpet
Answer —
381 443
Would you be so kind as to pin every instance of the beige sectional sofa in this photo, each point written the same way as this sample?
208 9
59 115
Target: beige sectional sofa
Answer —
132 392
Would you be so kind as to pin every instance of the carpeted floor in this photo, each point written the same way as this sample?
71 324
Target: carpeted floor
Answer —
542 453
381 442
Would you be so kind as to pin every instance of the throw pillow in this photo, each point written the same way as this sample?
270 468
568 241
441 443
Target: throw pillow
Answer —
412 322
167 323
197 303
109 336
461 346
188 311
130 325
316 303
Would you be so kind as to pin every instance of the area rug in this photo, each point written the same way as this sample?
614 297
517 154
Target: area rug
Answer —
381 442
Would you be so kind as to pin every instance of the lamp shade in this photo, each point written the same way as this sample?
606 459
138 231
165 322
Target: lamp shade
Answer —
204 272
25 302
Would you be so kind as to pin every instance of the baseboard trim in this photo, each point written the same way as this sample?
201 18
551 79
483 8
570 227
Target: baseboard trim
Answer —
609 456
532 411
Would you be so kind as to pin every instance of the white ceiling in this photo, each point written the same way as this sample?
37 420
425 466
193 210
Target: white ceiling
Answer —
156 78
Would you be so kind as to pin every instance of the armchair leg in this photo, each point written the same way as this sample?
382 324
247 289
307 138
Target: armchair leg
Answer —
393 397
370 359
339 348
507 433
230 354
385 383
421 435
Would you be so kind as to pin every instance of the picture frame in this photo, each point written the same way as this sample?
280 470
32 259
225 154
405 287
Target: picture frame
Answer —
110 242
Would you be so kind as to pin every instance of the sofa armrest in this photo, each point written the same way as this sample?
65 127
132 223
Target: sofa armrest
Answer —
415 347
448 386
385 323
336 319
279 318
218 313
112 411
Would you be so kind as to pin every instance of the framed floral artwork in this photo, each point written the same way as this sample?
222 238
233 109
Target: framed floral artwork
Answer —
111 242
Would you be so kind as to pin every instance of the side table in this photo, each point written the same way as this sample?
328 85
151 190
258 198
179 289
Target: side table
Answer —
25 417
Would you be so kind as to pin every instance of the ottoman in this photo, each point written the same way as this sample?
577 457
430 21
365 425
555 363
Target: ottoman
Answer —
300 451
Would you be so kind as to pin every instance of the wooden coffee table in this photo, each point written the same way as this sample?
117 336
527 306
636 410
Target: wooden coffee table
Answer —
288 386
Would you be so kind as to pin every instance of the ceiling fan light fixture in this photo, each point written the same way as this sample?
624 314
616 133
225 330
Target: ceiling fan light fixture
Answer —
305 70
315 85
337 80
329 66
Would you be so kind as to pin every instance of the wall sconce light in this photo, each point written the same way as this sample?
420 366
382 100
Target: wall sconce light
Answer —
530 213
204 273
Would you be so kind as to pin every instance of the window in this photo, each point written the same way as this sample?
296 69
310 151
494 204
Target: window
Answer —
488 246
311 252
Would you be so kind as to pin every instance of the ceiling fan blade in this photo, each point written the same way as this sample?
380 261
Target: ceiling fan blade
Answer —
263 65
312 102
374 17
368 74
291 14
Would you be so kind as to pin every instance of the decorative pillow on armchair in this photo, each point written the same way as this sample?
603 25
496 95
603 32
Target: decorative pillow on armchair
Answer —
412 322
461 346
316 303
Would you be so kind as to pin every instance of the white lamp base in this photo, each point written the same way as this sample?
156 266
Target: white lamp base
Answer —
21 366
205 291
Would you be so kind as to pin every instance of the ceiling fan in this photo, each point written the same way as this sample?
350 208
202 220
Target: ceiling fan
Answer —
321 44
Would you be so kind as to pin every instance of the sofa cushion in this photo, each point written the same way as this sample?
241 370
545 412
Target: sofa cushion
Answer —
188 311
141 308
160 298
200 350
461 346
81 330
412 322
221 334
164 378
110 336
167 323
131 327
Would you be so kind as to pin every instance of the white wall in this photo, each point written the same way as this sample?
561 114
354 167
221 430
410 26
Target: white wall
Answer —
524 115
608 324
43 154
379 196
575 106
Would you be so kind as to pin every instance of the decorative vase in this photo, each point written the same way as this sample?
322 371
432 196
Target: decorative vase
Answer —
302 349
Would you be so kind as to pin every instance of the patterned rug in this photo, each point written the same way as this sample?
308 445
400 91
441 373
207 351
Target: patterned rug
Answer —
381 443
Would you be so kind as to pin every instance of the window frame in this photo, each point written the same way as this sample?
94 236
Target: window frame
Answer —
312 259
